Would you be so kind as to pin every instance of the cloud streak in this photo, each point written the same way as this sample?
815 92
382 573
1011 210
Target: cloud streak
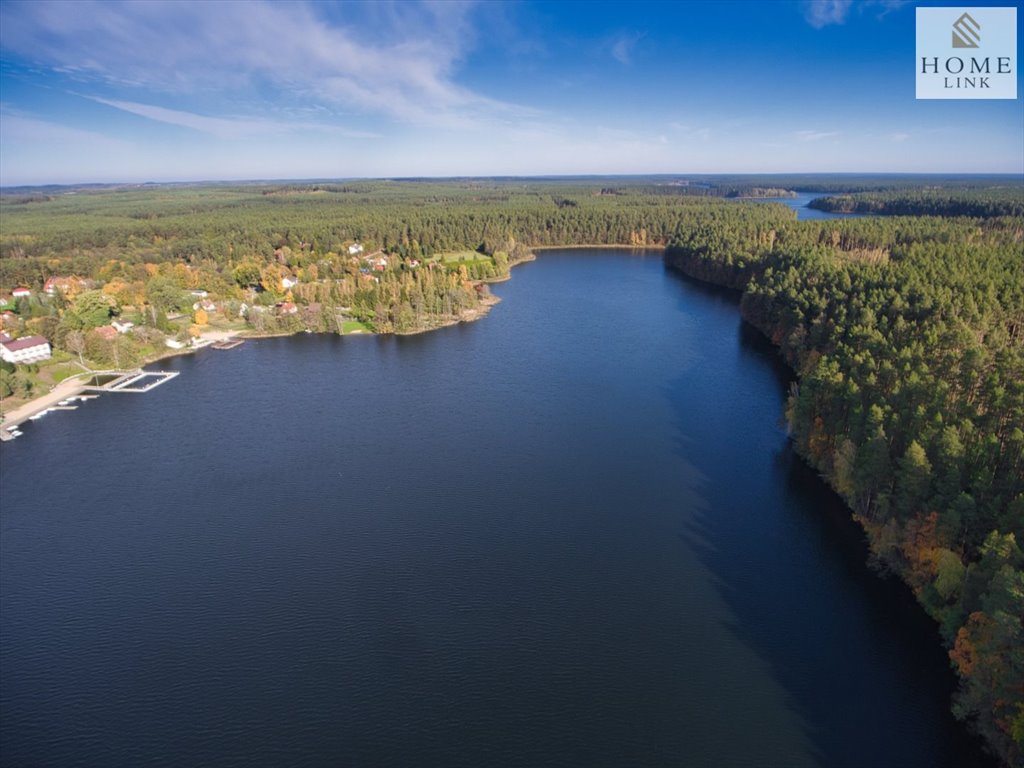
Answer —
294 51
622 49
822 13
224 128
815 135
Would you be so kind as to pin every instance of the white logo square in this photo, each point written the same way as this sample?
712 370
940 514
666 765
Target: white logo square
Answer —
966 53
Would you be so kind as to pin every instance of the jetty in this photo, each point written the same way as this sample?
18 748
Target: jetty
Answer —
227 344
66 395
134 381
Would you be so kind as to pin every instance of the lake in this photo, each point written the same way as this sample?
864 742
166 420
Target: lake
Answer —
572 533
799 204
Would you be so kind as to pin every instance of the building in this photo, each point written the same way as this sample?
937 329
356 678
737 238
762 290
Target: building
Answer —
355 249
21 292
122 326
66 285
288 282
30 349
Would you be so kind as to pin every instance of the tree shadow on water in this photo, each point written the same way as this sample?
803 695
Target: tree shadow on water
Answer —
861 662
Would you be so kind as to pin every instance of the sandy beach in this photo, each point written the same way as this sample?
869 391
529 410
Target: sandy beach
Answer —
67 388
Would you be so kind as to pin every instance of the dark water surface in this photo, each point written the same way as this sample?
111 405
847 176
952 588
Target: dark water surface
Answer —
569 534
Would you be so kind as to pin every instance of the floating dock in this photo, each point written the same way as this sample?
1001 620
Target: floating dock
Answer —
135 381
113 381
228 343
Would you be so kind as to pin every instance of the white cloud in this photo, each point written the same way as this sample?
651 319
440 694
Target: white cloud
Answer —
822 13
29 146
622 48
16 128
221 127
815 135
690 131
899 136
392 60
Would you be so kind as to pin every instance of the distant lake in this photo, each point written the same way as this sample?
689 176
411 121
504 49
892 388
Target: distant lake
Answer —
570 534
799 204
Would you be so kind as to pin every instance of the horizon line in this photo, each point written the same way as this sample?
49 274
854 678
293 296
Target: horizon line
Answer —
504 177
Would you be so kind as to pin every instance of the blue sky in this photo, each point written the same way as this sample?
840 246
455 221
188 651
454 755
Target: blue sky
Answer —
180 91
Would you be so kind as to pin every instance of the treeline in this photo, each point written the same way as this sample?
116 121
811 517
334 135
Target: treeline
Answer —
1005 201
225 226
279 255
908 338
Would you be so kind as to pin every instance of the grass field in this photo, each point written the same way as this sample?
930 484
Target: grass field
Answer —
355 326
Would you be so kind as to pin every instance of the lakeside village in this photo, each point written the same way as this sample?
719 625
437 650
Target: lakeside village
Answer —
57 336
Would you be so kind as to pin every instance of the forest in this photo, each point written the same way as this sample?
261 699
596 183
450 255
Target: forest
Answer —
984 203
907 335
178 261
906 332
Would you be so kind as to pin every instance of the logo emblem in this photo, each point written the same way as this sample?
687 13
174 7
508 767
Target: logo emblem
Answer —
966 32
970 65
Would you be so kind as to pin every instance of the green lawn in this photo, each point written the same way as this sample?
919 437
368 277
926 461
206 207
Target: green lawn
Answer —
450 256
59 373
355 326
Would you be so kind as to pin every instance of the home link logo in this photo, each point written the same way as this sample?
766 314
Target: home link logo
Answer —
966 32
966 53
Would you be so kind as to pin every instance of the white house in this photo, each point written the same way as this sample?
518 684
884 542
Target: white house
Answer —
122 327
355 249
20 292
289 282
30 349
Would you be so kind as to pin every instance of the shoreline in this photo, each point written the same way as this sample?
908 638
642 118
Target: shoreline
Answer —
71 386
605 247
